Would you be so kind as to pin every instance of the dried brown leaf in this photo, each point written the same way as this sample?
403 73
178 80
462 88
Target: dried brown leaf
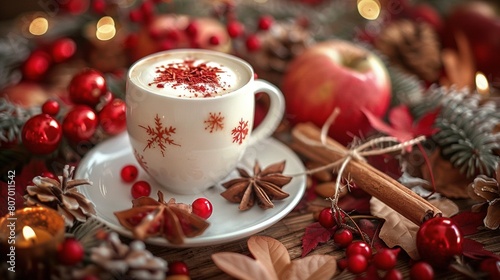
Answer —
315 267
447 207
272 261
396 230
242 267
270 252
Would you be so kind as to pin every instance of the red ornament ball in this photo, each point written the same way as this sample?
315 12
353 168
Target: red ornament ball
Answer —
140 188
70 252
393 274
87 87
79 124
202 207
129 173
36 65
63 49
438 241
112 117
177 268
50 107
41 134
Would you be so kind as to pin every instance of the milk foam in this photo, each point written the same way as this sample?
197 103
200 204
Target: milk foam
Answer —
230 76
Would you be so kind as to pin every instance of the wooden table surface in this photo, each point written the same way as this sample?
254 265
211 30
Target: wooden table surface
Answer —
289 232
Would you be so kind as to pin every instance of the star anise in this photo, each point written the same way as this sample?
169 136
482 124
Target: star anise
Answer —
264 186
171 220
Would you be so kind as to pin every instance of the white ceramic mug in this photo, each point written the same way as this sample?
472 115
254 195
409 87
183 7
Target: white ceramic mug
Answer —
185 141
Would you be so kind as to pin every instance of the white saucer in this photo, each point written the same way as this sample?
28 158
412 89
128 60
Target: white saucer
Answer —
109 193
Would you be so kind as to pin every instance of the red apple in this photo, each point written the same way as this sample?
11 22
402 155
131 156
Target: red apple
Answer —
480 23
337 74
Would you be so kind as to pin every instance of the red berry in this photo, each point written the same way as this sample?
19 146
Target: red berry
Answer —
129 173
357 263
70 252
50 175
140 188
202 207
253 43
214 40
342 264
235 29
492 267
99 6
177 268
421 271
385 259
50 107
326 218
343 237
393 274
359 248
438 241
135 15
192 29
265 22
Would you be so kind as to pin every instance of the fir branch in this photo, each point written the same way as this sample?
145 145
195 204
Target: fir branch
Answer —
466 129
12 119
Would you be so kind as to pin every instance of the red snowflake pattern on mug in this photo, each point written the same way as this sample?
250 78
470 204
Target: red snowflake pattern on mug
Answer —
159 136
214 122
240 132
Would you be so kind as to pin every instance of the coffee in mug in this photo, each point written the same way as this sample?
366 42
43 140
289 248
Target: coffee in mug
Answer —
190 114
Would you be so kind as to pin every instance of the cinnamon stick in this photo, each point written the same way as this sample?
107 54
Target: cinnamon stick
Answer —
368 178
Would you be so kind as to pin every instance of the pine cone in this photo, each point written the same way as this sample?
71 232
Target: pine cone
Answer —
279 45
413 46
486 190
124 262
62 196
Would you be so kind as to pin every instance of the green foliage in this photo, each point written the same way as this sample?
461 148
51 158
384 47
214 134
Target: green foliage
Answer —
466 129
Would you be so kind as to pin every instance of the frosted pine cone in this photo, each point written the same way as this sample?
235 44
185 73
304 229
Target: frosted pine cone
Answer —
121 261
62 196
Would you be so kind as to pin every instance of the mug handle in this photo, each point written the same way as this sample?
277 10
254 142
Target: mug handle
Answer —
274 115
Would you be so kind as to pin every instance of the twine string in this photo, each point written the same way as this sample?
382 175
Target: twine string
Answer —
357 153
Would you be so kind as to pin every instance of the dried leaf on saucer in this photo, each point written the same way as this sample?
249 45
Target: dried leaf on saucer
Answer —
168 219
272 261
262 187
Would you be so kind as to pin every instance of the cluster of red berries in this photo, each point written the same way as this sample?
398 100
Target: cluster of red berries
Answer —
359 256
129 174
201 207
